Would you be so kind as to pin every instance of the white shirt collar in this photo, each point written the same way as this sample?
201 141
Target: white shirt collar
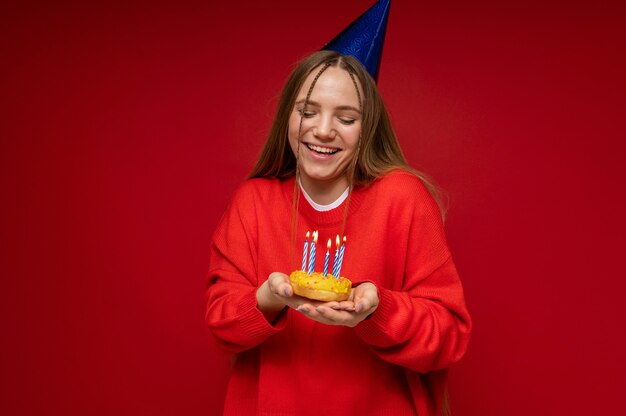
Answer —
322 208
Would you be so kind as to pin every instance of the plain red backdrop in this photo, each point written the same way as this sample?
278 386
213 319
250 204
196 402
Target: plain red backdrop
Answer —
125 127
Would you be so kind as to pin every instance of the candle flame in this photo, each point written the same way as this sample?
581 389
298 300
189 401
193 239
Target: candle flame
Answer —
344 239
328 245
315 233
308 233
337 241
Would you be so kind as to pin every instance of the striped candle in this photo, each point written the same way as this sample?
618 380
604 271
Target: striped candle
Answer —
304 253
312 253
327 257
335 262
341 251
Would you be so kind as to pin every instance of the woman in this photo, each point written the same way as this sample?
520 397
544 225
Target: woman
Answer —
332 163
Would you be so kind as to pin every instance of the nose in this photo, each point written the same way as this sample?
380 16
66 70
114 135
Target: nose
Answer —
324 129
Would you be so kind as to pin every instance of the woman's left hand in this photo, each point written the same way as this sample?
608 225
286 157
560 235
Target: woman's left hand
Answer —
362 303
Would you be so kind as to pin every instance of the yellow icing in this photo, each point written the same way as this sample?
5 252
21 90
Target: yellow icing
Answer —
318 281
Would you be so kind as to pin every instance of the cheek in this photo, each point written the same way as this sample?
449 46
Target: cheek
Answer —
293 143
352 139
292 132
294 126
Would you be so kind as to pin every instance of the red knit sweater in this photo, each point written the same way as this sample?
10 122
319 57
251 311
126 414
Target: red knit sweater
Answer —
393 363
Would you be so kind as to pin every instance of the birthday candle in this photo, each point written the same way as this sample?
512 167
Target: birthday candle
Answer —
304 253
335 263
341 251
327 257
312 253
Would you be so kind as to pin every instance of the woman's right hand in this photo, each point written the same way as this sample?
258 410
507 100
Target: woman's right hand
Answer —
274 294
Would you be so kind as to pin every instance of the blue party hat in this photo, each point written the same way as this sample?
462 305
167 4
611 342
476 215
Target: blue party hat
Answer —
364 38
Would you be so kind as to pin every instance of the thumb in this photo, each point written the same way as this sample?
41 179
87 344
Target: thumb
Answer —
366 298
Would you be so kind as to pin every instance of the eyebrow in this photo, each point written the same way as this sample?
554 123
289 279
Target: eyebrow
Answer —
341 107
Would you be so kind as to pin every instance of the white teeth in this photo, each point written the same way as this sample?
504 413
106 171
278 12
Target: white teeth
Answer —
322 149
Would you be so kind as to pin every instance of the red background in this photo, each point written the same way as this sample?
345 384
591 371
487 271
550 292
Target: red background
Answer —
125 127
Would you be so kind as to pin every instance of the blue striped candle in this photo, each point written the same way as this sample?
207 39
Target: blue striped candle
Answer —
304 253
312 253
341 251
335 262
327 257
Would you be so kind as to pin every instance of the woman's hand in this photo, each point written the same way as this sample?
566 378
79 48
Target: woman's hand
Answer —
273 295
362 303
276 293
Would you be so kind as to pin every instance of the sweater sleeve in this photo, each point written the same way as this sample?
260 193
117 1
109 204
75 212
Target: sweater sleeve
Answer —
232 315
424 326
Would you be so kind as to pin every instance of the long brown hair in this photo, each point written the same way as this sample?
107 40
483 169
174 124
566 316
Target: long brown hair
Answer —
378 151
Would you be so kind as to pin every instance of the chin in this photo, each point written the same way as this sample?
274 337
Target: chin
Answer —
321 177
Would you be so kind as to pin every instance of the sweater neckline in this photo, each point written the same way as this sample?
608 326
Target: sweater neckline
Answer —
327 207
331 217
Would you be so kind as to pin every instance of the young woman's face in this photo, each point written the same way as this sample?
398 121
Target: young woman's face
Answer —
330 128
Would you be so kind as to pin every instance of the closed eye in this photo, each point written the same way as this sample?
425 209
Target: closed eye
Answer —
306 114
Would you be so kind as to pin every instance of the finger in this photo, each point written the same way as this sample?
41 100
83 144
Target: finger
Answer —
366 298
332 315
325 315
310 311
304 308
273 281
286 289
281 289
279 284
363 305
346 305
333 305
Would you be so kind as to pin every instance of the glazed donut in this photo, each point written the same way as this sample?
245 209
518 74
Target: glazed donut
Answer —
316 286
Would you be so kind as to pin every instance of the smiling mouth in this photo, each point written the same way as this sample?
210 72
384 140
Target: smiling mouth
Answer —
321 150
